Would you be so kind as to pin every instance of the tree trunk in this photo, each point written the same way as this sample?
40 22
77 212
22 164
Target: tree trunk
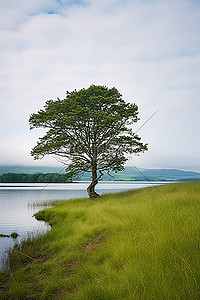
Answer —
91 187
91 190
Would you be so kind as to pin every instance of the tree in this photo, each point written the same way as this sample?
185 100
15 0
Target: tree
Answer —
90 130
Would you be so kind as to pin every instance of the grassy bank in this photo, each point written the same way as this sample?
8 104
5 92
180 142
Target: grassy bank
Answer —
140 244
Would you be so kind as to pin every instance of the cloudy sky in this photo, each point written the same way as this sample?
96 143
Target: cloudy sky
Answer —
148 49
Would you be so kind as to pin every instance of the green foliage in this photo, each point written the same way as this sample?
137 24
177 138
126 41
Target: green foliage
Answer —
140 244
89 129
14 235
32 178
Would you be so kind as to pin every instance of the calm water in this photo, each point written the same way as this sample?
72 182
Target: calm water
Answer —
16 211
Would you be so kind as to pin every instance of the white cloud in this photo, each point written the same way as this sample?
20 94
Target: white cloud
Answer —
149 50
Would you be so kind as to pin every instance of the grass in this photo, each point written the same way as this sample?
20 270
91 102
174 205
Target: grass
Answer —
139 244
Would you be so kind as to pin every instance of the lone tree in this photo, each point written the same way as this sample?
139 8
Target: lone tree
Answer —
90 130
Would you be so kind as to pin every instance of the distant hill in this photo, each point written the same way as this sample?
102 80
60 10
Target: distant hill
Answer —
130 173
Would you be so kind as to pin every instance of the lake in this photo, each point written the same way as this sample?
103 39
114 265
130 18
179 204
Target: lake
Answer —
17 206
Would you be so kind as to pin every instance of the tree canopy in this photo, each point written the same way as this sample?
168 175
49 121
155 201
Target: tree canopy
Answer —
90 130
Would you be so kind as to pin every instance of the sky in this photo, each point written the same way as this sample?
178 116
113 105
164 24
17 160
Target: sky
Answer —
148 49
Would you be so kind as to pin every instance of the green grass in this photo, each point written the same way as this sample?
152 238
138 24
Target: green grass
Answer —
140 244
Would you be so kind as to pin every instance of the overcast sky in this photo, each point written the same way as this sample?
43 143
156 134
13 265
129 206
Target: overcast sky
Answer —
148 49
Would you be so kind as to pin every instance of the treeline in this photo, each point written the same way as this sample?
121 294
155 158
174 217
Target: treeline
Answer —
32 178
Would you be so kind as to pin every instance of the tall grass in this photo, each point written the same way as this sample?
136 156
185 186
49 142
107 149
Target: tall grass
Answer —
140 244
